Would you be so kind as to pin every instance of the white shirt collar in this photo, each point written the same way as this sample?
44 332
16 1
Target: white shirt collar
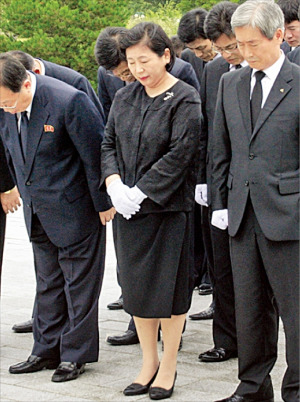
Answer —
272 71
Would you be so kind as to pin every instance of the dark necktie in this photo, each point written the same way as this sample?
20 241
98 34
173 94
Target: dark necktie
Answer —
238 66
256 99
24 132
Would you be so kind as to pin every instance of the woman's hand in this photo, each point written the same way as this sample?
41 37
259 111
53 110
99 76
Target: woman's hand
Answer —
107 216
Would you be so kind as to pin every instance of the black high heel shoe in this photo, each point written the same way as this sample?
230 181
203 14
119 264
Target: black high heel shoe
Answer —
162 393
139 389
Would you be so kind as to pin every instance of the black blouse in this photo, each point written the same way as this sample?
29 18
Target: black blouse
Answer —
154 143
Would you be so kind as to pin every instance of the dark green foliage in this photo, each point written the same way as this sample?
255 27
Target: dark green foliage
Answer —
61 31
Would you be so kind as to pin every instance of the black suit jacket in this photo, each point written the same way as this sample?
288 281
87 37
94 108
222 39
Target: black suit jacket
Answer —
60 178
197 63
212 74
108 85
74 79
294 56
263 163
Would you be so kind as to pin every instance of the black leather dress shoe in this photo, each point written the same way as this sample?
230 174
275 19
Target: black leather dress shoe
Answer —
207 314
116 305
138 389
205 289
128 338
23 327
33 364
67 371
217 355
239 398
157 393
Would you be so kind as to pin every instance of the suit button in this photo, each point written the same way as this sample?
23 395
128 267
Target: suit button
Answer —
246 183
28 183
251 156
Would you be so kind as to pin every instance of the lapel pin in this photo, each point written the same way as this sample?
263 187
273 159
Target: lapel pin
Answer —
48 128
281 90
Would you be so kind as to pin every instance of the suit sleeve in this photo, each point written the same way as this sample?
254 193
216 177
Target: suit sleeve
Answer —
103 94
221 154
201 178
86 128
6 180
190 77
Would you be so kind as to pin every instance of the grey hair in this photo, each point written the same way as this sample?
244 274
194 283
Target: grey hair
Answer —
262 14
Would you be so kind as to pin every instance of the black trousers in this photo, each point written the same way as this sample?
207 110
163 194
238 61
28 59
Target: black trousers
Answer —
266 277
69 281
2 236
217 246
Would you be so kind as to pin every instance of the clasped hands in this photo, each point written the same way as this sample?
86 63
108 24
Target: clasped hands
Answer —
126 200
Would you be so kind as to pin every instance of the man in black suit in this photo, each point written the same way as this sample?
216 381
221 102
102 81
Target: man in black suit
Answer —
72 78
255 191
191 32
114 74
218 30
52 135
291 12
9 197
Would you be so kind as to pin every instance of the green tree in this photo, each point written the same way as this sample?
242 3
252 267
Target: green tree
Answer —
187 5
61 31
167 15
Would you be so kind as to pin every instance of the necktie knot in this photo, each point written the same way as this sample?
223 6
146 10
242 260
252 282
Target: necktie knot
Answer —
259 75
238 66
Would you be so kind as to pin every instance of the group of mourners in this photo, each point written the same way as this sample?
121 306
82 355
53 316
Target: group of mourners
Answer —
215 129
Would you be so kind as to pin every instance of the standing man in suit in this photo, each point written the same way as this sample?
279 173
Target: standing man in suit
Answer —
218 30
114 74
54 150
291 12
255 190
70 77
9 197
191 32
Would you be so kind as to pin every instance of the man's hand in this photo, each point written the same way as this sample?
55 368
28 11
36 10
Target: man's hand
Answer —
219 219
107 216
10 200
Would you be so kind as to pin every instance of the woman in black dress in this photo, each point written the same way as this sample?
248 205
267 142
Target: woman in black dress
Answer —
149 161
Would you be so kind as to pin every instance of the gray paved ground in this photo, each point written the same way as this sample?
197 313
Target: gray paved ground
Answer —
117 366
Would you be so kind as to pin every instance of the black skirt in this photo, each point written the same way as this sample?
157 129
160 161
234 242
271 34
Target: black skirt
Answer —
154 258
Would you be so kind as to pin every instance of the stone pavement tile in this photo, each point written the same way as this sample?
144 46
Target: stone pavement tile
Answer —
20 394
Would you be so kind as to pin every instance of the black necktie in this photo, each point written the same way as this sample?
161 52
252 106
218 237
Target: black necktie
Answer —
23 132
256 99
238 66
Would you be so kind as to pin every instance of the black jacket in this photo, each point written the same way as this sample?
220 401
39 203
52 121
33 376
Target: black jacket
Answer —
154 143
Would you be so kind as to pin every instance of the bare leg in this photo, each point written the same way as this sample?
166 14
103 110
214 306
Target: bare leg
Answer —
172 331
147 329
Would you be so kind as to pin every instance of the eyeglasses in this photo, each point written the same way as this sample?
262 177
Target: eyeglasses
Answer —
123 74
11 107
228 49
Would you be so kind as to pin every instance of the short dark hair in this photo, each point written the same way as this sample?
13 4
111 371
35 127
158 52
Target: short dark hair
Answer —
217 21
290 9
26 59
191 25
12 73
108 52
178 45
153 36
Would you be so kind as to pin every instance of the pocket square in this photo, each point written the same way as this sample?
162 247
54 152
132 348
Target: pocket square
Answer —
48 128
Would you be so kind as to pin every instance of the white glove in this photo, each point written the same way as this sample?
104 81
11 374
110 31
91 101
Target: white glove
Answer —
120 200
201 194
135 194
220 219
